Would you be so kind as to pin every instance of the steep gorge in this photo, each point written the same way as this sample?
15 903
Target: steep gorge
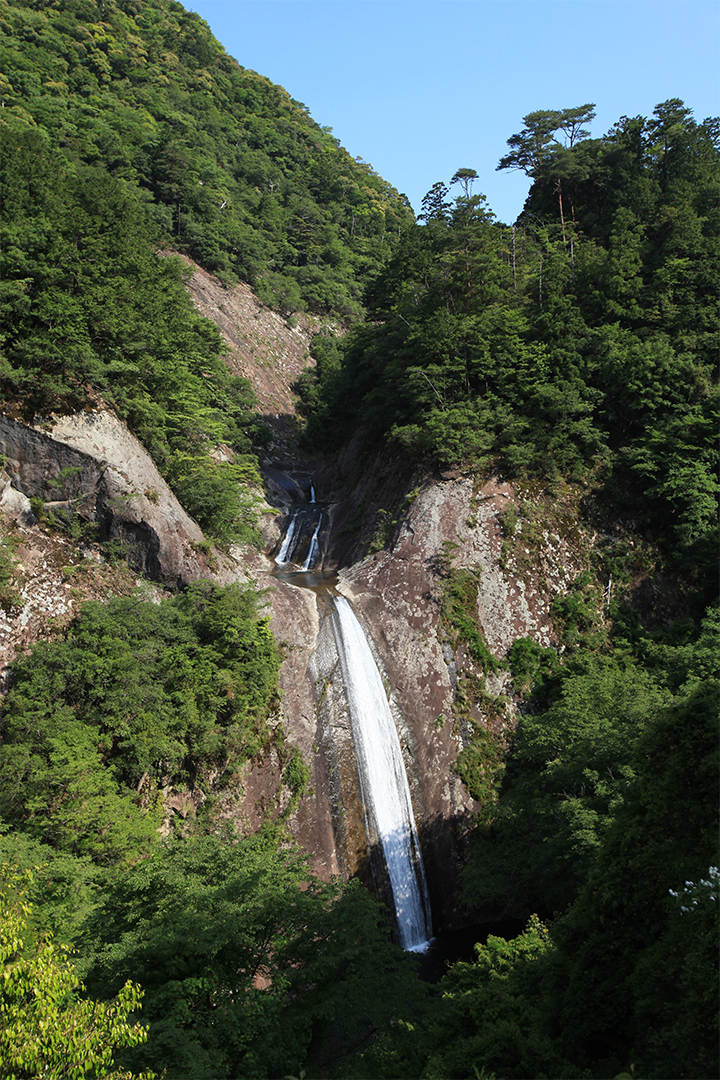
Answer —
396 592
502 546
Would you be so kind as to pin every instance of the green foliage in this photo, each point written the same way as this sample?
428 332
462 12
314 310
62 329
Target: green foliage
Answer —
577 612
47 1029
136 697
458 615
222 163
610 805
530 664
104 313
581 343
578 343
481 765
639 975
296 774
127 131
568 770
250 966
61 888
217 495
487 1020
10 596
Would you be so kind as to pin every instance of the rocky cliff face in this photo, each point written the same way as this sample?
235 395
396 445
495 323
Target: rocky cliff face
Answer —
263 347
90 466
87 469
397 593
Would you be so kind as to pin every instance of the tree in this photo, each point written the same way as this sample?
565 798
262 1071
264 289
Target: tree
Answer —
568 770
250 966
138 695
465 178
540 155
47 1028
533 147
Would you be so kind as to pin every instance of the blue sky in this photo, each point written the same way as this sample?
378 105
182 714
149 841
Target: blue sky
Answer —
420 88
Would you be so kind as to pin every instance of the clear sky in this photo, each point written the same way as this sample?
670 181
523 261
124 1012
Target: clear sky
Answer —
420 88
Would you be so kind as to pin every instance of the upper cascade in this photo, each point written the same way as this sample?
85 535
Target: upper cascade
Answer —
301 544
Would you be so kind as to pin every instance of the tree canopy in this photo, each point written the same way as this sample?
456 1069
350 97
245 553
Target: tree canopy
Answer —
221 162
137 697
580 344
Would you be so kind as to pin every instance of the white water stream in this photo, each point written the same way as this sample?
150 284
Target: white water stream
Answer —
314 549
381 770
383 780
282 556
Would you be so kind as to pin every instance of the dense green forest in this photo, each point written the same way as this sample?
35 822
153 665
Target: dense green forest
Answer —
127 132
576 347
579 343
223 164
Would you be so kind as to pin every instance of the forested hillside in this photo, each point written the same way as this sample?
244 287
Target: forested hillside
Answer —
573 353
574 349
580 342
225 165
127 131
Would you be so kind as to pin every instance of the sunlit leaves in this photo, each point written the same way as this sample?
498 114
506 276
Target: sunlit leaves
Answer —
136 697
46 1027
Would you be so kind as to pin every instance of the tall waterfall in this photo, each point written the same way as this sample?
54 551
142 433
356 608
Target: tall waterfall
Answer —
383 780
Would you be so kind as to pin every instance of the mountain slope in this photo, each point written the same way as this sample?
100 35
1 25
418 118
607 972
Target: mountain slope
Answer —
227 166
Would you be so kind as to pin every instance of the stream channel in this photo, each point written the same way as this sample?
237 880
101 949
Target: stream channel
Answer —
392 839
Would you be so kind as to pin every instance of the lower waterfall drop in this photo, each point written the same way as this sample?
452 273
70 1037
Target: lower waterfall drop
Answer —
383 780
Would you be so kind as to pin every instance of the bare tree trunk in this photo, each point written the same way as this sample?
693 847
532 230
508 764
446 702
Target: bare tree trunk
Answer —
513 258
558 185
572 258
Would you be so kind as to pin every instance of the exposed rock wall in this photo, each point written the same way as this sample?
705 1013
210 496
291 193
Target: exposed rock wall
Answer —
91 461
265 348
53 577
397 595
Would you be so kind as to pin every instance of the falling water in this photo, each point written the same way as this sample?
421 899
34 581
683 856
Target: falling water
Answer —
383 779
314 549
301 542
282 556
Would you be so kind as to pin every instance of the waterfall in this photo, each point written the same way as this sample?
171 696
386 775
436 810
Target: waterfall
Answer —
383 780
381 772
282 556
314 549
